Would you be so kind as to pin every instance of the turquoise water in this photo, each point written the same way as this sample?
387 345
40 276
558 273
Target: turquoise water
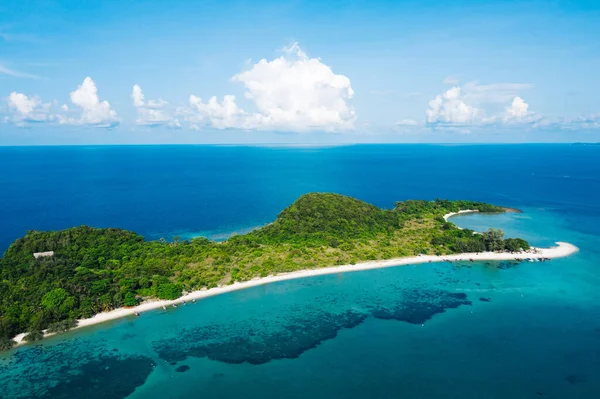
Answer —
473 330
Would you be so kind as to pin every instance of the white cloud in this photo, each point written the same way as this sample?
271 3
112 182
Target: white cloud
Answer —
517 109
152 117
137 96
590 122
469 105
22 103
93 111
152 113
24 109
290 93
450 108
518 112
223 115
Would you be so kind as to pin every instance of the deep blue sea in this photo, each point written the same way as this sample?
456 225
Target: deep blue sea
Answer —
530 330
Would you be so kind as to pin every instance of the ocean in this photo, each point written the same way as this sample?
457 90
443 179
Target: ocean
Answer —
474 330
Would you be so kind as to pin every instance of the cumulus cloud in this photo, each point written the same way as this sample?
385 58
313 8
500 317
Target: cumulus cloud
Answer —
137 96
24 109
517 109
451 108
471 103
290 93
518 112
153 112
22 103
220 115
93 112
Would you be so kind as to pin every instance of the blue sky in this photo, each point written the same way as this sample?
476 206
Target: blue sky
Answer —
298 71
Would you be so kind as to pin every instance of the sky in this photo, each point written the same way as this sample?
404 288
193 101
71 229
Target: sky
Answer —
315 72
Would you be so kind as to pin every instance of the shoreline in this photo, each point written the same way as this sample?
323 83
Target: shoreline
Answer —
449 215
562 250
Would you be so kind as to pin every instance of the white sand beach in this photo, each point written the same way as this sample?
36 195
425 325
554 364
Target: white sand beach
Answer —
562 249
449 215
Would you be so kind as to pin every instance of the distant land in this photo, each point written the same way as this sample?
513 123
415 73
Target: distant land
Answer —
82 271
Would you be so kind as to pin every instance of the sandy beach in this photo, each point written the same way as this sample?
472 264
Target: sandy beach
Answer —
561 250
449 215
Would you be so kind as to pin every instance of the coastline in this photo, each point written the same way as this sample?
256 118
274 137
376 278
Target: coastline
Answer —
562 250
506 209
449 215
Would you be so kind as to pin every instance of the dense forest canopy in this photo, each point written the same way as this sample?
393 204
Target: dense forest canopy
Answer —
94 270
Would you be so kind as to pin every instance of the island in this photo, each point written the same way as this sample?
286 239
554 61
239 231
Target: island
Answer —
52 281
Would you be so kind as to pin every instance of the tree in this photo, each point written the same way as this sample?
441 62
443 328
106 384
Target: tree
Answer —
169 291
516 244
6 343
33 336
129 299
493 239
59 302
62 326
53 299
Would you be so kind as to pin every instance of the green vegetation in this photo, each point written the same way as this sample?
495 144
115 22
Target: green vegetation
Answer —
61 326
32 336
6 343
95 270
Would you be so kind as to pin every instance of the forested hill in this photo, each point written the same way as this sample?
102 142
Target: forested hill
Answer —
94 270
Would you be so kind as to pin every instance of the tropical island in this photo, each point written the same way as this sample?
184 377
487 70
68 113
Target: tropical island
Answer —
50 280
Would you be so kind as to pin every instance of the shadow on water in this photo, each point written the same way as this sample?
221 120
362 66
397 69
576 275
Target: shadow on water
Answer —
73 369
259 342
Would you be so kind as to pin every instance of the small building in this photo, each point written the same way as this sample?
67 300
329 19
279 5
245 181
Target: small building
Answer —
43 254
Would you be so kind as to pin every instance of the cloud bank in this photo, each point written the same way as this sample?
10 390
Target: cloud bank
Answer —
292 93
